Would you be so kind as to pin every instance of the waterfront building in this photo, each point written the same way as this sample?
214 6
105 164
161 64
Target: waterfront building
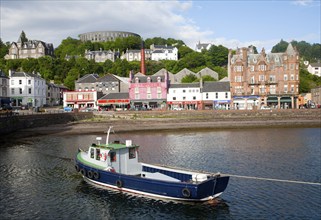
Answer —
316 95
81 99
27 89
148 91
23 49
55 93
104 36
315 69
185 96
264 79
101 55
4 89
114 101
216 95
106 84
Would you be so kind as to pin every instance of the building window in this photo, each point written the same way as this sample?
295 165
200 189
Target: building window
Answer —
285 88
206 95
29 90
292 88
159 90
174 98
149 96
262 67
226 95
20 90
12 82
216 95
285 77
194 97
12 91
184 91
148 79
292 77
137 96
29 82
238 78
184 98
148 90
261 78
272 78
252 68
136 90
20 81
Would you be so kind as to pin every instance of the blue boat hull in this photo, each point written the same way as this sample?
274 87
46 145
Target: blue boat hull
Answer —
187 191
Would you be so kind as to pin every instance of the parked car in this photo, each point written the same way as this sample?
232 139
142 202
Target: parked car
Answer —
264 107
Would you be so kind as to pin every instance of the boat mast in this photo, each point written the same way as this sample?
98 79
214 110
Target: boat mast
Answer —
107 138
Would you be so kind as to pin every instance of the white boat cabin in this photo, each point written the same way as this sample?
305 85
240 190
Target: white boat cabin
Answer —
116 157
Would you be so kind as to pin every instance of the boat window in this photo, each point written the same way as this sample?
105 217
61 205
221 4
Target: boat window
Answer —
92 152
132 153
97 154
113 156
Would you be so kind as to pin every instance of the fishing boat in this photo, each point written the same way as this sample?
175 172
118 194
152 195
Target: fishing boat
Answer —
115 165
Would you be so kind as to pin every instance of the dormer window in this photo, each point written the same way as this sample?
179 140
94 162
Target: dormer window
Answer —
136 80
158 79
148 79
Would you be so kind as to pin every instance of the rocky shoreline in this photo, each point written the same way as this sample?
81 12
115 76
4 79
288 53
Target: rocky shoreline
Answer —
180 121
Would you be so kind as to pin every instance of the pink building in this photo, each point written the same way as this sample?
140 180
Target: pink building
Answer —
148 92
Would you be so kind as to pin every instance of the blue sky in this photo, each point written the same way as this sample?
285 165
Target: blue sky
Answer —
230 23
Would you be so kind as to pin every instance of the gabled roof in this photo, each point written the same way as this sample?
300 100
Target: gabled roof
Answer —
124 95
107 78
24 74
315 64
216 87
88 78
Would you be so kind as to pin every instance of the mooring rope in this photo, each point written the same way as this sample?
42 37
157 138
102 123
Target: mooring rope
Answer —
270 179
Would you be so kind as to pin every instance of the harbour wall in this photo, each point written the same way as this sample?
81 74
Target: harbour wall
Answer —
14 123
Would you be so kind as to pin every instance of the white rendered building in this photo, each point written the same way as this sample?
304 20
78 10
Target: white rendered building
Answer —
27 89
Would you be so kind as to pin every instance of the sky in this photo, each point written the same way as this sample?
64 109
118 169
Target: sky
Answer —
231 23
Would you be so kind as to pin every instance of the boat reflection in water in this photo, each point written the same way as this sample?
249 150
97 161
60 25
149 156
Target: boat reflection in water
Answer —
115 165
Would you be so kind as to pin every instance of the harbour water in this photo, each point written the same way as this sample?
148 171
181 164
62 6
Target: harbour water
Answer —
38 179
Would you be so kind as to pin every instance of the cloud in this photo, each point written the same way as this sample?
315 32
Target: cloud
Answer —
303 2
53 21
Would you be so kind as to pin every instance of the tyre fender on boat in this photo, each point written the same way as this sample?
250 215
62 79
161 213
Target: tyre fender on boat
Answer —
96 175
83 172
77 168
119 183
90 174
186 193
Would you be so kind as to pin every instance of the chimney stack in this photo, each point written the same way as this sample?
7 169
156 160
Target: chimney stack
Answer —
142 59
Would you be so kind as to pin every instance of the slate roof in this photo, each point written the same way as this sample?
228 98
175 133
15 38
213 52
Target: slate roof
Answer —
109 96
88 78
107 78
23 74
315 64
143 79
185 85
216 87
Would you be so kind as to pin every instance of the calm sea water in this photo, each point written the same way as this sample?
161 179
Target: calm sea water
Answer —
38 179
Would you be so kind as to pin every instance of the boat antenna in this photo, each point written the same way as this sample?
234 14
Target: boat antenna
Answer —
107 138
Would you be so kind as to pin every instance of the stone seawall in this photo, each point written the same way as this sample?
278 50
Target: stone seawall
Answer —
15 123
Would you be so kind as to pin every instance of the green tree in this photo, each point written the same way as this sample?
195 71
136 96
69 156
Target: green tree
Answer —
72 76
23 37
189 79
4 48
183 51
280 47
